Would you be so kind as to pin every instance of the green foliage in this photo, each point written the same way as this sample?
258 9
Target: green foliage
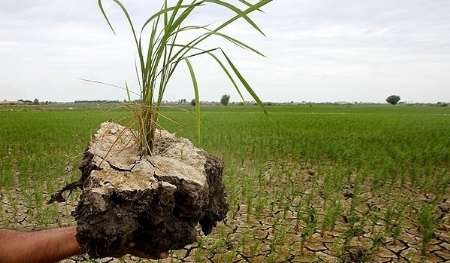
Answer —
225 100
332 214
266 163
160 57
310 220
427 225
393 99
392 219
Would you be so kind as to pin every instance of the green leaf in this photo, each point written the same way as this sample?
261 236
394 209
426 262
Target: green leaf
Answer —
165 14
174 14
237 42
225 36
202 38
182 17
128 91
238 11
245 83
100 5
130 22
228 75
197 99
245 12
161 12
248 4
209 52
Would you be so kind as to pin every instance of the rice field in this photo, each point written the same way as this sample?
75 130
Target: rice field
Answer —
309 183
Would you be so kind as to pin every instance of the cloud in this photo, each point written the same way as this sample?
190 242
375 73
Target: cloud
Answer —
315 50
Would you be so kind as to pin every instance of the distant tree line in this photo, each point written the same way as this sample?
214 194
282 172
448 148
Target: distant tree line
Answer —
225 100
34 102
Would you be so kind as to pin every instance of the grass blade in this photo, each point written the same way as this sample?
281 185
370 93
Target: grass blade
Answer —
237 42
245 12
161 12
228 75
248 4
100 5
238 11
128 91
245 83
197 99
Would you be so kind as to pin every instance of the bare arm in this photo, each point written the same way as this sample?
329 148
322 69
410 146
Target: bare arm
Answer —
40 247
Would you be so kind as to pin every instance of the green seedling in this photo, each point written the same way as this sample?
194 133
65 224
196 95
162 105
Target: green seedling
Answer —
427 225
161 51
392 219
310 220
332 214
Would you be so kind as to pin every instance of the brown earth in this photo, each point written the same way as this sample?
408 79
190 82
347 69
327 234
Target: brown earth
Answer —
154 201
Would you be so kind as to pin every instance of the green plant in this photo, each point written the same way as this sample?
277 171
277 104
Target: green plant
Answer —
392 219
332 213
377 241
35 146
355 222
427 225
161 55
225 100
310 220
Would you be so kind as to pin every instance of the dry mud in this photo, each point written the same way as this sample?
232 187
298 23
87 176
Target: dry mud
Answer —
154 201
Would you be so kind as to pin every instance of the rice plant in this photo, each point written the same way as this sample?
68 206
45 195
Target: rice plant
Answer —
34 146
392 219
331 216
160 53
310 220
427 225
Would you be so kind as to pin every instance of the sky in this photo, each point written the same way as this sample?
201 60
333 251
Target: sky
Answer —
321 51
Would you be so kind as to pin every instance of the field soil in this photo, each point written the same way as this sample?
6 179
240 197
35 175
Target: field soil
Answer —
316 183
153 201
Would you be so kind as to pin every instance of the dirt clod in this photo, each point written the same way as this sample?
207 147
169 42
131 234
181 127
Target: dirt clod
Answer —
155 201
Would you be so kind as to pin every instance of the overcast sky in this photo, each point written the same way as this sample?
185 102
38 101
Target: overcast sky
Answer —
327 50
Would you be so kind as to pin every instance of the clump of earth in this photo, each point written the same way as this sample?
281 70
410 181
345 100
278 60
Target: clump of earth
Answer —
155 201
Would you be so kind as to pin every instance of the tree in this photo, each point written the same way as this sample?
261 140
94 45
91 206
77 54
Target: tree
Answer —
225 100
393 99
35 102
193 103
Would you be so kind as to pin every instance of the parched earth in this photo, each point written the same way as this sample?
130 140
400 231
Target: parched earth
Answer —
273 232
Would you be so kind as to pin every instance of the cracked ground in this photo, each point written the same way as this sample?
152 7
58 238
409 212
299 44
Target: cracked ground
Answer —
283 215
315 184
